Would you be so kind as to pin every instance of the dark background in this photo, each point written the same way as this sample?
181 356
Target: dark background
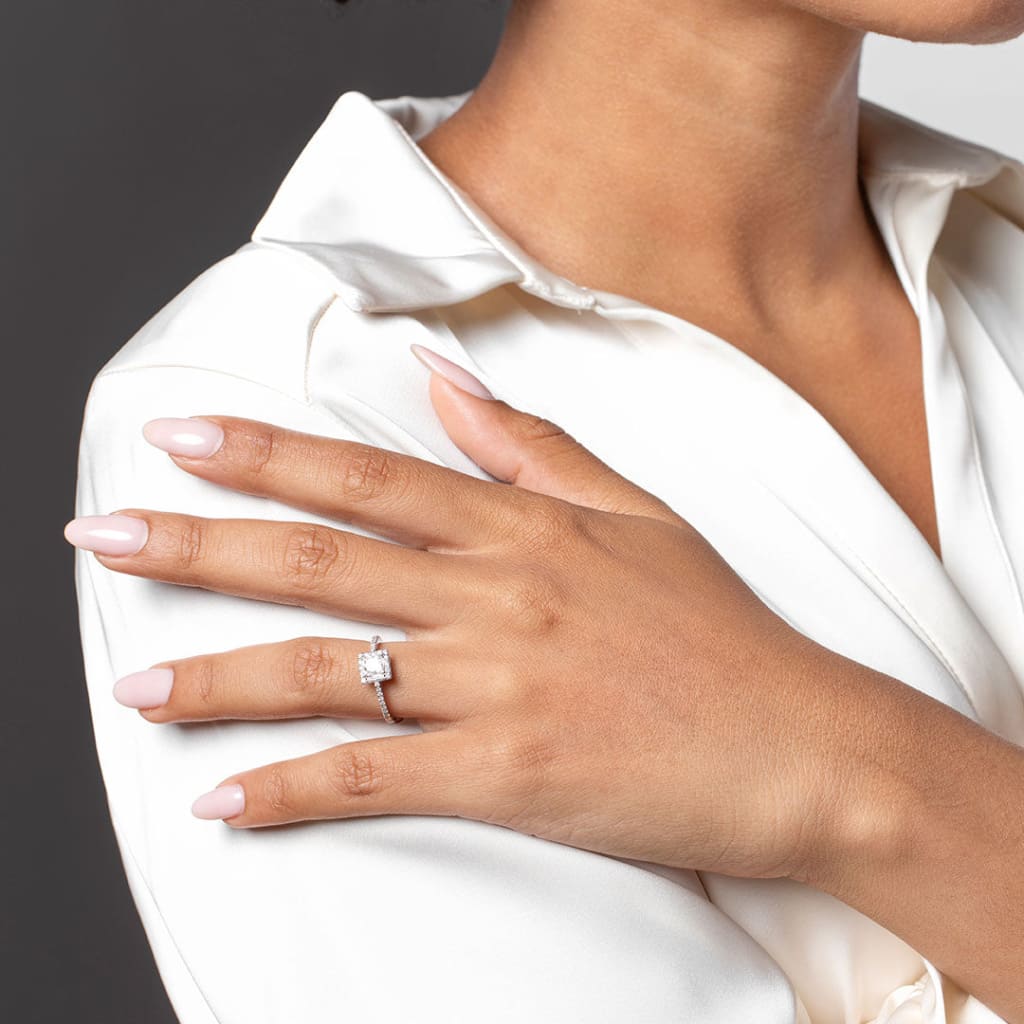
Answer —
140 141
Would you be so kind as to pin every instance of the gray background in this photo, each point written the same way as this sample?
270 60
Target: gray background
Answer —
141 141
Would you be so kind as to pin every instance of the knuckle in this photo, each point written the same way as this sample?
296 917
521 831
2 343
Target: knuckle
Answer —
534 428
551 525
354 773
191 543
534 602
203 685
504 686
368 473
570 523
259 449
528 758
312 669
519 764
276 791
311 552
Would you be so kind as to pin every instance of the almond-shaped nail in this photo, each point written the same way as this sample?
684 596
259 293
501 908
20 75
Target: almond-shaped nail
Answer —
108 535
450 371
147 689
222 802
192 436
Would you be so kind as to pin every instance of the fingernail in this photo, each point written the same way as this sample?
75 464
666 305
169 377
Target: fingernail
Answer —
147 689
456 374
194 437
222 802
108 535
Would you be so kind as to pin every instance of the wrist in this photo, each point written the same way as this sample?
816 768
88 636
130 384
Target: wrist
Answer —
921 828
911 788
867 791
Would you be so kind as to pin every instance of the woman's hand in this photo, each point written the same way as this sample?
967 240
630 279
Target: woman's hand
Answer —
584 666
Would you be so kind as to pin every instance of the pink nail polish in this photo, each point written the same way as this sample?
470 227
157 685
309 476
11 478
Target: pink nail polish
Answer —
222 802
147 689
108 535
450 371
191 436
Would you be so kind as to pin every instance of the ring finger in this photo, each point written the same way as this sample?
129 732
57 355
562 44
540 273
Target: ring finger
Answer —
301 678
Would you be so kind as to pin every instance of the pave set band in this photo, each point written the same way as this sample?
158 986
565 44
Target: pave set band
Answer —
374 669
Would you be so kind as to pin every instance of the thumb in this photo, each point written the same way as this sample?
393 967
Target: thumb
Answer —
527 450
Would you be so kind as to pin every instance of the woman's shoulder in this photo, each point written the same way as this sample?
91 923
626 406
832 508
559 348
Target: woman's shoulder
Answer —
895 143
263 333
899 150
247 315
360 246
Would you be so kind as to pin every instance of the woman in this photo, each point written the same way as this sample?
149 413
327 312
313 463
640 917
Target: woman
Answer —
714 713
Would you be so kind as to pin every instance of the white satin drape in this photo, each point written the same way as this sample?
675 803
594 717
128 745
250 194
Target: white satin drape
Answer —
366 248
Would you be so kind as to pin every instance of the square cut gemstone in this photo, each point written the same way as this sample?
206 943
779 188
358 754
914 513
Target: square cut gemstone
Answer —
374 666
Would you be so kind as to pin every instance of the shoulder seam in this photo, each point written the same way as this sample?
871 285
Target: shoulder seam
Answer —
309 345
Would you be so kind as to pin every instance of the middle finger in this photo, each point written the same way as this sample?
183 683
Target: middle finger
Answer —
401 496
307 564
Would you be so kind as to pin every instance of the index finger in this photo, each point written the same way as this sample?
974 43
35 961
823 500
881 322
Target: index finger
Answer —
416 502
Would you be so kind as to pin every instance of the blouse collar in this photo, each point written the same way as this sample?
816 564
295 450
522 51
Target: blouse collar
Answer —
396 234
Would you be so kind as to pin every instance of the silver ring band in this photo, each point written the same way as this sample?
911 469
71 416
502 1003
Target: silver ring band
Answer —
374 669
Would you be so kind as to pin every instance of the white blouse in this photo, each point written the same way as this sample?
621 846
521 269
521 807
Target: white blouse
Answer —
368 247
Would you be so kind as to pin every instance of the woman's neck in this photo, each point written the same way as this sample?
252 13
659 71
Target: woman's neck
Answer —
698 155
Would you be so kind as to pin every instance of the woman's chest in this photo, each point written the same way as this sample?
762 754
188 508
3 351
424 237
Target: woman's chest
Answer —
817 490
870 391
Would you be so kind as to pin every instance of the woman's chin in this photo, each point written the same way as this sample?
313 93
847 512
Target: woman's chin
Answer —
970 22
927 21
